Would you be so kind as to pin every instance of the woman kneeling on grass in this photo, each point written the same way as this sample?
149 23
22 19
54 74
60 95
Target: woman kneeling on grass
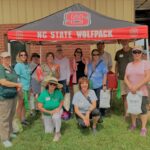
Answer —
50 103
136 77
84 102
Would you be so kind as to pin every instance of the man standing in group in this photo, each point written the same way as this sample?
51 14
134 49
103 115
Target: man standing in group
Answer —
105 55
64 68
108 61
122 58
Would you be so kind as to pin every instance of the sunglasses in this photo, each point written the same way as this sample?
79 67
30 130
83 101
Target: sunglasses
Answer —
136 52
21 55
95 54
52 84
78 52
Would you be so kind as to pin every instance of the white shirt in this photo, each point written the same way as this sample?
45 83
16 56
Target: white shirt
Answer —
107 59
64 68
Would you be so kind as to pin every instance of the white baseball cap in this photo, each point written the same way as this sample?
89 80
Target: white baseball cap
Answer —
5 54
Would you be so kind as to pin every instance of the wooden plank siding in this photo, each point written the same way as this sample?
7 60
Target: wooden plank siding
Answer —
24 11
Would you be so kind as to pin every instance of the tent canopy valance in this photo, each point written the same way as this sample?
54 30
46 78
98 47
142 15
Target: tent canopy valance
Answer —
78 23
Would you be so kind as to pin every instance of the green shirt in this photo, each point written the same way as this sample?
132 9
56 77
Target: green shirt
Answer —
8 75
50 101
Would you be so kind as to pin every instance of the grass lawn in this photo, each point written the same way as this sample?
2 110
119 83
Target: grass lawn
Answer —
112 134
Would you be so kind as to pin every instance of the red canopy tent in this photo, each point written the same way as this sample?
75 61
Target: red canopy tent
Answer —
78 23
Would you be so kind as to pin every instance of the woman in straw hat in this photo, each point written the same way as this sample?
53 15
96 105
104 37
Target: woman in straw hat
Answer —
50 103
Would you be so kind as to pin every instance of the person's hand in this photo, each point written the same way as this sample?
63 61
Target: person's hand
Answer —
19 87
86 121
67 83
104 87
54 111
133 89
86 60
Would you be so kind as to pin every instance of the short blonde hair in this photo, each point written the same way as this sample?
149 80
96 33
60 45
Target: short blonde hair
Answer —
82 80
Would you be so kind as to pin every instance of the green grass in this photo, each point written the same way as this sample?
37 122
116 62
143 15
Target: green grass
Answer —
112 134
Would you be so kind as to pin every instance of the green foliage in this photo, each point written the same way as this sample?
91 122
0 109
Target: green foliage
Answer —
113 134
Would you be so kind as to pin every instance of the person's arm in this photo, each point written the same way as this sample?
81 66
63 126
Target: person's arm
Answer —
92 107
60 106
116 68
144 81
68 71
109 63
127 81
104 71
42 109
76 109
57 71
86 67
7 83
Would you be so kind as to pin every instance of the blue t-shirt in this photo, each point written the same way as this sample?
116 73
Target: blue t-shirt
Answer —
98 75
23 71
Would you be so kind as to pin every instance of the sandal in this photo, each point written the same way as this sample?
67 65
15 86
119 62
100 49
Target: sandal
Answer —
143 132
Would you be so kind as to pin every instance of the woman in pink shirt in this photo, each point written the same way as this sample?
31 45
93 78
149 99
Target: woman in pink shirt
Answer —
136 77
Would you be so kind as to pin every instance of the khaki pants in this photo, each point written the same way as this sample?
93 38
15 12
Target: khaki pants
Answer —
7 112
124 88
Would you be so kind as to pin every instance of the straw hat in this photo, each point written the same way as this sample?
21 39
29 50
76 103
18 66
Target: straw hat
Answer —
50 79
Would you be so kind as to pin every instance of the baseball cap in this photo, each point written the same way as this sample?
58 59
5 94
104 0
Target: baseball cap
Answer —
5 54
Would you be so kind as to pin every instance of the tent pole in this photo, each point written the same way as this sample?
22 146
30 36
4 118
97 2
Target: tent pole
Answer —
40 53
147 49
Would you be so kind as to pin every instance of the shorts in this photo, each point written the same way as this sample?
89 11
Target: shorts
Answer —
124 88
144 105
94 113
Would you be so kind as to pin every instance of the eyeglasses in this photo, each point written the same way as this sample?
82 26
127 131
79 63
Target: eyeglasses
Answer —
78 52
95 54
52 84
21 55
136 52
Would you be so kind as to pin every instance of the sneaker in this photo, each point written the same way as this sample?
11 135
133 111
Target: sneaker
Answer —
143 132
25 122
57 137
13 135
132 128
7 143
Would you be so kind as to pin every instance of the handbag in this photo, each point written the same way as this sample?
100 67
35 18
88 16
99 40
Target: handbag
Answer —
104 99
134 102
8 92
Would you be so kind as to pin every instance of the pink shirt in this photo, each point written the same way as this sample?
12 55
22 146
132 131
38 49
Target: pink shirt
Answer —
135 74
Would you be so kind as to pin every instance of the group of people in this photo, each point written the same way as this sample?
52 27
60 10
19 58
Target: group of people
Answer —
47 83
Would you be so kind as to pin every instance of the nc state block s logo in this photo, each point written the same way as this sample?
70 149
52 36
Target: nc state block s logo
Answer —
77 19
